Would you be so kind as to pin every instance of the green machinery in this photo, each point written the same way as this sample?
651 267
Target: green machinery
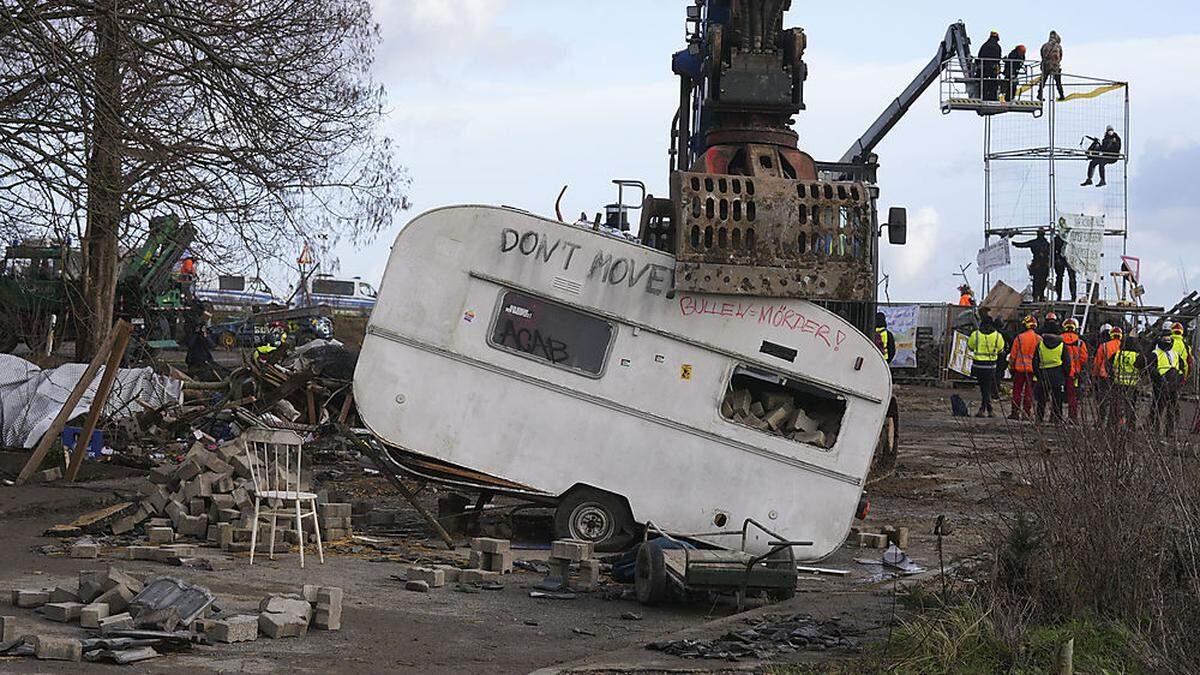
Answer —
41 280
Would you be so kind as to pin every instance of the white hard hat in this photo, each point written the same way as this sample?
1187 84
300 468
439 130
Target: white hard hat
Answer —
1105 328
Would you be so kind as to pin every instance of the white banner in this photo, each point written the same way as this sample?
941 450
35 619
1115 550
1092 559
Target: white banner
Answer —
1084 237
993 256
902 321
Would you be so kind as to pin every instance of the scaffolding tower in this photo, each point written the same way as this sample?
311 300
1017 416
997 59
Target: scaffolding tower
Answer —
1033 170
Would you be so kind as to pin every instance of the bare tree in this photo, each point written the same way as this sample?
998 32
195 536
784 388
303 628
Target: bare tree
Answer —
256 120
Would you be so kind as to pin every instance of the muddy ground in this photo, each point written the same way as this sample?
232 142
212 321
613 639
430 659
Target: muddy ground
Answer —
947 466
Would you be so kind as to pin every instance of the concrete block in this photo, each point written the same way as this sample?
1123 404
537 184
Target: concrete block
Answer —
162 475
197 506
85 549
475 576
489 545
193 526
115 576
159 501
126 524
449 572
434 578
330 595
174 509
160 535
122 621
220 534
870 540
90 615
142 552
54 648
46 476
740 400
334 535
117 598
571 549
30 597
91 584
279 604
498 562
187 471
60 594
225 484
327 618
309 592
8 628
282 625
335 509
62 611
559 567
588 577
900 537
227 450
228 515
418 586
335 523
475 560
240 628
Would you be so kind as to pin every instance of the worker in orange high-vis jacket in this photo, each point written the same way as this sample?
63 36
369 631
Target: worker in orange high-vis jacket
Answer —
1020 362
1078 350
1110 344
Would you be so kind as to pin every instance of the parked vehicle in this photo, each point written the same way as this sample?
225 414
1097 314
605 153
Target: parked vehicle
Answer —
351 296
247 330
235 292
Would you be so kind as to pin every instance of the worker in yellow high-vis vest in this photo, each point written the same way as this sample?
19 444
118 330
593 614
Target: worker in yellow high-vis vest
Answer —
1051 363
1125 369
884 339
986 345
1166 374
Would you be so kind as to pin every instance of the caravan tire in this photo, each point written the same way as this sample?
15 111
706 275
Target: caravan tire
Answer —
599 517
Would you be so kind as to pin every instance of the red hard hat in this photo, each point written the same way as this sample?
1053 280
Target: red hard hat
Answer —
1029 321
1116 332
1177 328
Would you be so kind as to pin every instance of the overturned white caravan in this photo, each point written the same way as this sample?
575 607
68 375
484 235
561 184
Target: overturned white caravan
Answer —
546 359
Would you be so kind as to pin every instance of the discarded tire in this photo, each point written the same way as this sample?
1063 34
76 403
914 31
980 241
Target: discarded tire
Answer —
650 574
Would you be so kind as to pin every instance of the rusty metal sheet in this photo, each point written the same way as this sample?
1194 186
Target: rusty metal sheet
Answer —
773 237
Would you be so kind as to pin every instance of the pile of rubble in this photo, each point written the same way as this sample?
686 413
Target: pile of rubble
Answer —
132 621
766 636
777 412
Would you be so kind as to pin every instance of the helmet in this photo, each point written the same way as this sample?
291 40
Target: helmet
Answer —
1105 328
1071 324
1029 321
1116 332
1177 328
1051 316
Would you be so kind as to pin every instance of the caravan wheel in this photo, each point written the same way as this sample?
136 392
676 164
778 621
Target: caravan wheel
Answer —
599 517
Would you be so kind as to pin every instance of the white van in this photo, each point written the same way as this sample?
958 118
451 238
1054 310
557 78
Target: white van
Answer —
558 362
351 296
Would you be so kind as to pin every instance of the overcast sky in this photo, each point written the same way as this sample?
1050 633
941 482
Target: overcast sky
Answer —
504 102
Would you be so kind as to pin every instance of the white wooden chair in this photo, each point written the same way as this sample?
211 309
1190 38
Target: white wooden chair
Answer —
274 458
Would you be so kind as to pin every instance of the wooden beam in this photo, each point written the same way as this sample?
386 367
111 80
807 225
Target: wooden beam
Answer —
122 330
56 426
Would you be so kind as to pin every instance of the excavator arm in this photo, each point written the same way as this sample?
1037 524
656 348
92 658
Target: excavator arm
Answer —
956 44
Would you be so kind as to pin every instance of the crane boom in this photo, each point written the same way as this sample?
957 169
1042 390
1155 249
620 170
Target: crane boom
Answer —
955 44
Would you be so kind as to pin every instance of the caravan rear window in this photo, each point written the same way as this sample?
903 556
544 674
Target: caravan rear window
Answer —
783 406
546 331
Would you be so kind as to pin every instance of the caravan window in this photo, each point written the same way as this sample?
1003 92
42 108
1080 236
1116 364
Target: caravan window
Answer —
783 406
332 287
546 331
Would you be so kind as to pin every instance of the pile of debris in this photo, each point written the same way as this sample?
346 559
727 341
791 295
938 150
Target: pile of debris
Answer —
132 621
777 412
767 635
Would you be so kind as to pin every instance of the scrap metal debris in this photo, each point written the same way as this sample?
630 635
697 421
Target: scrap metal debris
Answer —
767 635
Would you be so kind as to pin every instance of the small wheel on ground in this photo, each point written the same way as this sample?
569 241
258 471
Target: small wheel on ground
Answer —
783 559
650 574
599 517
227 340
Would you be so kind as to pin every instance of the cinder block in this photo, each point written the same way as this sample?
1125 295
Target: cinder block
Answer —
336 509
309 592
126 524
91 584
279 604
559 567
122 621
418 586
30 597
588 577
159 501
475 560
8 628
62 611
330 596
900 537
90 615
571 549
489 545
117 598
221 534
871 540
327 618
114 576
197 506
475 576
435 578
60 594
449 572
54 648
240 628
160 535
85 549
141 552
187 471
498 562
282 625
193 526
334 535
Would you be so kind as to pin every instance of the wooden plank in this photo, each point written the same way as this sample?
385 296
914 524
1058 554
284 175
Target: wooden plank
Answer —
113 366
345 412
60 420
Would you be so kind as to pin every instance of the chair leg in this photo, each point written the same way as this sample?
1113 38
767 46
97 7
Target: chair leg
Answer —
300 531
254 532
317 529
271 550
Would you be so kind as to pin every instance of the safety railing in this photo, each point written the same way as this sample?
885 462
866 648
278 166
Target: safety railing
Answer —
991 87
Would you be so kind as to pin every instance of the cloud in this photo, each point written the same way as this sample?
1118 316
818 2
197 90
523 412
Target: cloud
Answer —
913 260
